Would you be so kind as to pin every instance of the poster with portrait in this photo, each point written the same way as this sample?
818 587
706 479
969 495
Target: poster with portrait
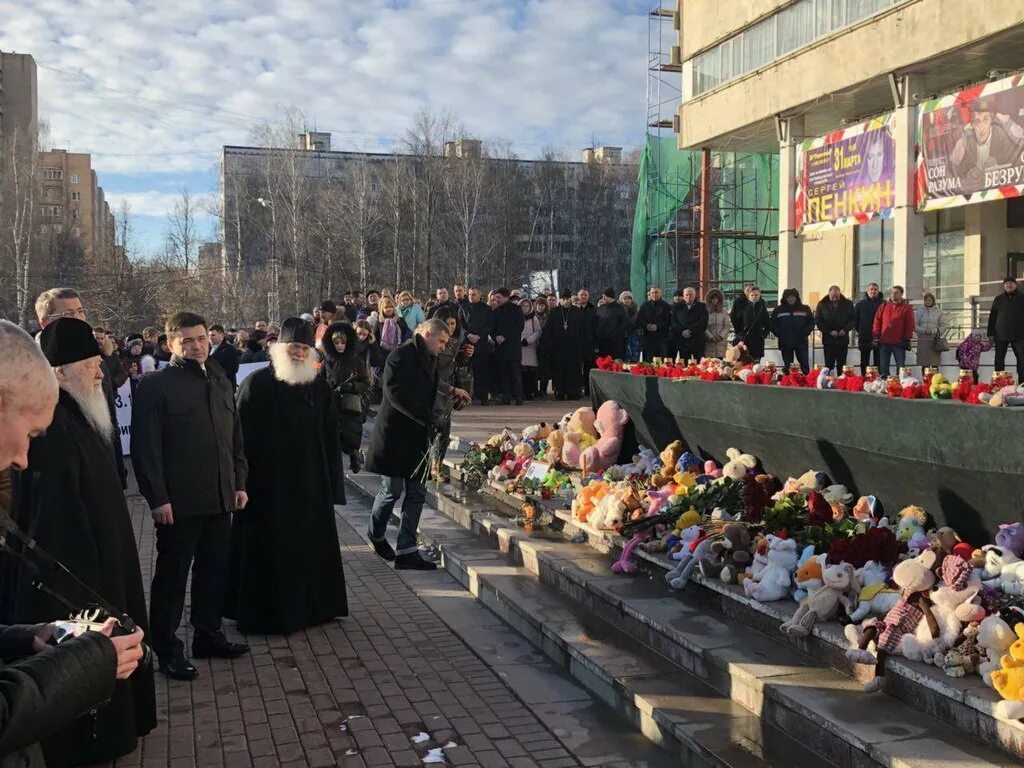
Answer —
847 177
971 145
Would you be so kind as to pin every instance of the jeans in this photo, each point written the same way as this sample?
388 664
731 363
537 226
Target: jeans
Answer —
885 350
412 507
1018 353
801 357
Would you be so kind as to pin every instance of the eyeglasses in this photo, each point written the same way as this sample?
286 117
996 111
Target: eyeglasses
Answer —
80 312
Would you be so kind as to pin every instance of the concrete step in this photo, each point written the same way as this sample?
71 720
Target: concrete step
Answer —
793 695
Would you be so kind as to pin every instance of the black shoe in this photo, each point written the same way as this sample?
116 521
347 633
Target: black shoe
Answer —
179 669
506 402
519 402
383 550
414 561
217 648
483 402
356 462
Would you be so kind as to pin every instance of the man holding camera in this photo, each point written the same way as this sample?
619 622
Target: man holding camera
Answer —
50 687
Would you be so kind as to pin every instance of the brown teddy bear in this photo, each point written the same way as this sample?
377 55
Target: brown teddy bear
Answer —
669 459
730 553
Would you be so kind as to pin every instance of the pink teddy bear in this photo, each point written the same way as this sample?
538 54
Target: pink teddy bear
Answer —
610 423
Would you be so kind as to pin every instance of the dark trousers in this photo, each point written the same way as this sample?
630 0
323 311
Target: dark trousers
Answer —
511 380
481 375
835 355
690 349
801 357
198 543
868 356
588 364
654 347
529 376
1018 353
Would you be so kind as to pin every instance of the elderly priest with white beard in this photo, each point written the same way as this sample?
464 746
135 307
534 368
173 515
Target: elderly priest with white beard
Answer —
70 500
286 571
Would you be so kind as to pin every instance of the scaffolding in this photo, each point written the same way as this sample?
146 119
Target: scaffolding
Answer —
708 218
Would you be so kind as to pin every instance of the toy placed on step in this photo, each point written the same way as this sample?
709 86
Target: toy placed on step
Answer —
773 583
1004 570
579 435
1008 680
808 573
965 657
610 423
669 458
691 554
875 598
823 603
953 603
995 636
739 464
728 554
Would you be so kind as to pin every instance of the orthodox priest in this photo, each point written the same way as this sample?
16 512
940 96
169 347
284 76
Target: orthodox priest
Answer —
71 500
286 571
564 340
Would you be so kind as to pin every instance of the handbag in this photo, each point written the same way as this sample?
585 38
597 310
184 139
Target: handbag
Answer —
940 344
350 402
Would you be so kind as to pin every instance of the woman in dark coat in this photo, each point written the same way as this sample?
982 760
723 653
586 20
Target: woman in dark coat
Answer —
348 375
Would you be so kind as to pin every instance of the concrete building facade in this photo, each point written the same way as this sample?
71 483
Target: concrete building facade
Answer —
764 75
19 96
73 200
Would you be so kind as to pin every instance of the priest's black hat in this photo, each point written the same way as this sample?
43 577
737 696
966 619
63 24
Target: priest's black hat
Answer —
566 293
68 340
295 330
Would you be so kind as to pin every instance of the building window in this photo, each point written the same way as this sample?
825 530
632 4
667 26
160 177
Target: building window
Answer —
874 247
76 196
74 213
54 174
944 253
53 211
74 178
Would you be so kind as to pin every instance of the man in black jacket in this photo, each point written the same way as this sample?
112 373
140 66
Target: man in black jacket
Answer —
508 347
863 323
443 301
654 319
754 324
835 317
611 325
590 335
689 326
50 686
227 355
189 459
792 322
401 437
1006 325
739 307
477 321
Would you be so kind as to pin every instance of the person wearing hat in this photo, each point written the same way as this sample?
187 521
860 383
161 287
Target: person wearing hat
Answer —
328 311
188 457
286 572
611 326
1006 325
71 501
562 341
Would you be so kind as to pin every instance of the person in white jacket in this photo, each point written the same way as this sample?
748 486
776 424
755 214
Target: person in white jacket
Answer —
532 328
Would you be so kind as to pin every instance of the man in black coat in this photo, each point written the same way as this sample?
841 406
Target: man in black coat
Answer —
835 317
611 326
227 355
689 326
71 502
755 324
792 322
1006 325
286 572
508 347
654 319
739 307
589 312
863 322
190 462
443 301
562 342
401 438
48 687
477 321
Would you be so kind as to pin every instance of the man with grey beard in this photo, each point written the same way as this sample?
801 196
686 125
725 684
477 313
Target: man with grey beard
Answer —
70 500
286 571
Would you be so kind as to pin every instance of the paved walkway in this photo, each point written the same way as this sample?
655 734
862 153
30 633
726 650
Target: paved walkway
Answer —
419 669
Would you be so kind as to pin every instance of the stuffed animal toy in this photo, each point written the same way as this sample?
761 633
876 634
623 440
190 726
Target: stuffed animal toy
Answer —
556 442
808 573
728 554
867 510
669 458
711 469
610 424
1003 569
1011 537
965 657
689 462
912 522
687 536
739 464
837 494
875 598
587 498
953 605
995 637
695 552
1008 680
915 577
523 453
824 602
609 511
579 435
582 420
774 581
537 432
760 561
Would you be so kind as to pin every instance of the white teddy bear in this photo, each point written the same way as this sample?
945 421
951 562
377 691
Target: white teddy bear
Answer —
775 579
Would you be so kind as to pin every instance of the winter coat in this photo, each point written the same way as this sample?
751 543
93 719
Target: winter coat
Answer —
348 376
413 315
693 318
611 325
1006 318
864 318
477 319
451 306
894 324
532 328
738 313
403 428
228 357
717 333
792 323
254 353
929 321
835 316
508 323
377 326
755 324
657 313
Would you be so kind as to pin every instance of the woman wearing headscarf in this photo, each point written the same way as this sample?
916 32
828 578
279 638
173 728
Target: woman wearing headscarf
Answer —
532 328
632 332
388 326
347 374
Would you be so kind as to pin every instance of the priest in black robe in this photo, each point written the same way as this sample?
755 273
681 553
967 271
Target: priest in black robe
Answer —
564 339
70 500
286 572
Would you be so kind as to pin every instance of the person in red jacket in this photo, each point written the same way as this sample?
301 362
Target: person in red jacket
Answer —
892 331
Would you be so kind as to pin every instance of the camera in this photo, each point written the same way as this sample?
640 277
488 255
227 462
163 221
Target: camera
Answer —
93 618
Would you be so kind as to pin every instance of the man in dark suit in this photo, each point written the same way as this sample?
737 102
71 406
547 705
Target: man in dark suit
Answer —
224 353
188 456
401 437
476 320
689 324
507 333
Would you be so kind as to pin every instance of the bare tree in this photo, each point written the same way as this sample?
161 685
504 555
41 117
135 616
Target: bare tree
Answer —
361 195
465 183
425 140
20 174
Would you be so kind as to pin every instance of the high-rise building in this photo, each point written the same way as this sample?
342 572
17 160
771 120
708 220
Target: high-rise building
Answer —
19 97
73 202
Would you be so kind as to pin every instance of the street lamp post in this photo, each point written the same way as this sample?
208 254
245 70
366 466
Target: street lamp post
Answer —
273 304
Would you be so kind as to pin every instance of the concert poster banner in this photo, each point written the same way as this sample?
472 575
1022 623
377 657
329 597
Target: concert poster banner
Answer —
971 145
847 177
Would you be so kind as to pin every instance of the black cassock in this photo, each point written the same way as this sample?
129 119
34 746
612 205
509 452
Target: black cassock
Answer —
286 571
71 502
564 339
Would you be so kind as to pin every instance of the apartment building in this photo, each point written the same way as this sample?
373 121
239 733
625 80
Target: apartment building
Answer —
899 126
19 96
72 201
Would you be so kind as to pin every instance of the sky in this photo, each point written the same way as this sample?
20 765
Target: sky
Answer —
154 89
